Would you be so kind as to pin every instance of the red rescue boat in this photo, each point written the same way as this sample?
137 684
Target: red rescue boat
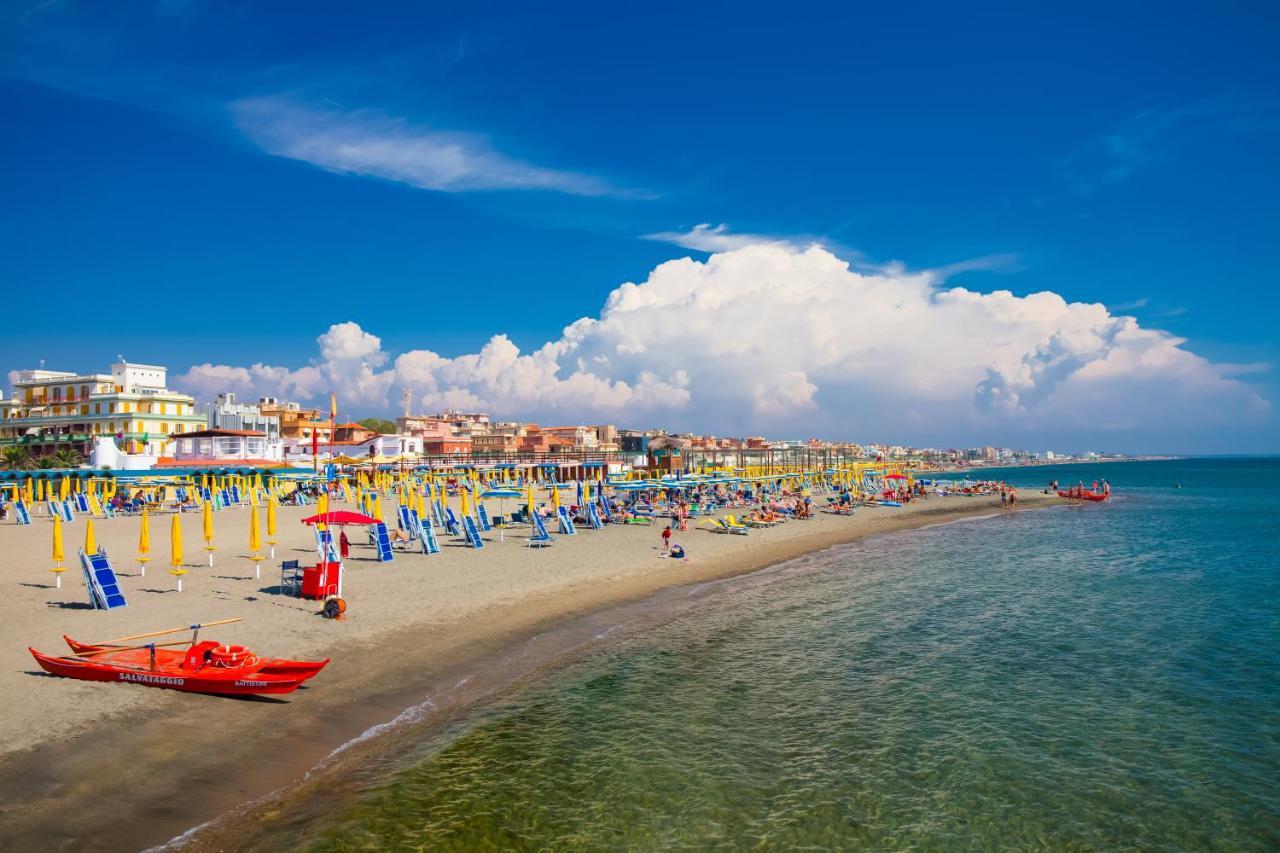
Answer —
278 666
1077 495
203 667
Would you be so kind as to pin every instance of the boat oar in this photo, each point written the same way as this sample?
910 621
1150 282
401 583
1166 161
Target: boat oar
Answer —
171 631
129 648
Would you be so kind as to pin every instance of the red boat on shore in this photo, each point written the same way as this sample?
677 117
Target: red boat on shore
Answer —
203 667
1077 495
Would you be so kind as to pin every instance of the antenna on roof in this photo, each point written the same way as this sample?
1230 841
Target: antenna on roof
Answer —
407 396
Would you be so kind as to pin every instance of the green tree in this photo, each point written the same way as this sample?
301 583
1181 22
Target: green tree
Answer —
378 425
15 458
65 457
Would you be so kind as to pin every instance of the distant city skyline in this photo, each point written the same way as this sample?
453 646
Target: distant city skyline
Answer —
1049 232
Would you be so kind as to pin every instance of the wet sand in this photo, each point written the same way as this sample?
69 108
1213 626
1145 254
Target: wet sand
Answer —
90 766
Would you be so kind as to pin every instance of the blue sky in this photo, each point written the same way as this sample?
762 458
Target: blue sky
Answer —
220 183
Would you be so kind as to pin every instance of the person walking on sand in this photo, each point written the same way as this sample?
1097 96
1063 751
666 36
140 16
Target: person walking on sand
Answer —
666 539
1013 497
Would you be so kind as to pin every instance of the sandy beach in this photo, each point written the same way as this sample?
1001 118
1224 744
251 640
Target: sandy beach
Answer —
102 766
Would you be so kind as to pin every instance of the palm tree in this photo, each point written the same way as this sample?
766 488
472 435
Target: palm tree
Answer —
46 462
15 458
65 457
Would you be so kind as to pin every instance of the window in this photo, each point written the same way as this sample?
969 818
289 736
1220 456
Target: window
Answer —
84 410
84 390
164 427
57 393
97 408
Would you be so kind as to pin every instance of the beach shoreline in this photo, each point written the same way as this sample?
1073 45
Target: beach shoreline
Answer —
143 771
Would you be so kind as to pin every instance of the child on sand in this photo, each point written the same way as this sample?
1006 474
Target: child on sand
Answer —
666 539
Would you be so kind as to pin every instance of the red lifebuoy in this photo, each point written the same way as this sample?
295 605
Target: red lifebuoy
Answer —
230 657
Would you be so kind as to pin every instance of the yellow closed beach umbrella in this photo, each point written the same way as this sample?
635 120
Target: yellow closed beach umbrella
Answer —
144 542
377 507
555 497
175 542
208 531
271 526
529 501
57 540
90 541
64 488
57 552
464 494
255 541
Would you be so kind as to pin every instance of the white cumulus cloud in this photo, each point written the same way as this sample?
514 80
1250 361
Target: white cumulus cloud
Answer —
773 338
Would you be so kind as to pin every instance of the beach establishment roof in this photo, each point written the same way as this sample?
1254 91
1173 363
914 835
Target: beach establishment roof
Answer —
213 433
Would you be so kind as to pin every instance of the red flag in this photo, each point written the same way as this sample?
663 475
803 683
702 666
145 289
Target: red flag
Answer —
333 405
315 443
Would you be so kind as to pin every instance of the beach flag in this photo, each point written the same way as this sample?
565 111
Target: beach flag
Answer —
333 405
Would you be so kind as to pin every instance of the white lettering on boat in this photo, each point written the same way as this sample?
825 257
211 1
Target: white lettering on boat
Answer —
143 678
240 682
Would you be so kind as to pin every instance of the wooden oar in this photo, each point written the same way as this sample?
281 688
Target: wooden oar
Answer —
129 648
169 631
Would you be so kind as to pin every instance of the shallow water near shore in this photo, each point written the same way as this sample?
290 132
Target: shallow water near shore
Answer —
1098 676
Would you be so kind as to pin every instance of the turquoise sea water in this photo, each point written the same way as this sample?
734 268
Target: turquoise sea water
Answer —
1100 677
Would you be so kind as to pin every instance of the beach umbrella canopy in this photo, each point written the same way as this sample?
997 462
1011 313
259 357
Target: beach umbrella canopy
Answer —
175 542
144 535
340 516
271 518
529 499
64 488
57 539
90 541
255 532
208 523
500 493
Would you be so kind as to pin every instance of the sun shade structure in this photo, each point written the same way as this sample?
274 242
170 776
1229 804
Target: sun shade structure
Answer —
341 516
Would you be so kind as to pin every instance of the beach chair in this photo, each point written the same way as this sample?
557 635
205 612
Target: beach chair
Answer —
540 537
593 517
21 513
404 518
483 515
101 581
451 523
326 548
291 578
430 545
566 523
382 538
82 502
473 534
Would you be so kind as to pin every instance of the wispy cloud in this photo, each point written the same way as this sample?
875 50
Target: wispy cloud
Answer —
718 238
1148 138
1008 262
1131 305
373 144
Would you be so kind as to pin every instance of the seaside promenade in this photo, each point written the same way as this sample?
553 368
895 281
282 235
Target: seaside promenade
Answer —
77 756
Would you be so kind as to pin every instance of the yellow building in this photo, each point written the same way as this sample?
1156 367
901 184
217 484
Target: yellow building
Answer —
51 410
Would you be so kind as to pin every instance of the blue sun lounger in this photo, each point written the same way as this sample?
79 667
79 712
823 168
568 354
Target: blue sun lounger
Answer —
566 523
100 579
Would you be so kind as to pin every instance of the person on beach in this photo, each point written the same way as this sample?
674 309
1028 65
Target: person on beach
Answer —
666 539
1004 498
1013 497
677 551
